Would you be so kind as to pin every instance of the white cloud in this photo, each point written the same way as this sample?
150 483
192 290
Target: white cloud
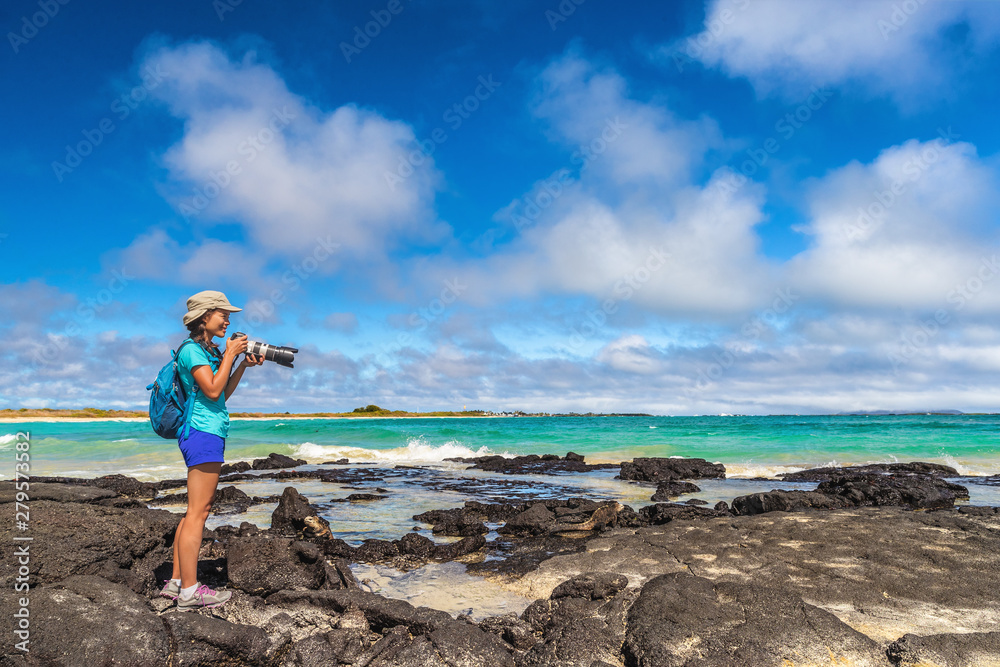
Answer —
905 48
631 225
303 173
155 255
906 230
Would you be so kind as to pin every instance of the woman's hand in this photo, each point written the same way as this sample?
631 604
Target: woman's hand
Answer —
235 347
252 360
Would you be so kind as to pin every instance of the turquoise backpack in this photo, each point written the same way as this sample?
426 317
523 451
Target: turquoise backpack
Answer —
169 409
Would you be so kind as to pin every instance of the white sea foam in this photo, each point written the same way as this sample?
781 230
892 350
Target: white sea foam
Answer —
416 451
7 441
126 440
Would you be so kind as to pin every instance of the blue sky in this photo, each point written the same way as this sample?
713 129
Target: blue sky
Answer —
738 206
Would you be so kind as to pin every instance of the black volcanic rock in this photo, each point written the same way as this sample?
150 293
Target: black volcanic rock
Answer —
826 474
123 545
735 624
913 491
289 516
533 463
205 640
787 501
974 648
582 624
276 462
671 489
459 522
661 513
463 547
239 466
126 486
591 586
665 469
261 565
88 620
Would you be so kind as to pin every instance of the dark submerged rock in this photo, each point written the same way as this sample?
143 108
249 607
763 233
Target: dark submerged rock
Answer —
664 469
533 463
671 489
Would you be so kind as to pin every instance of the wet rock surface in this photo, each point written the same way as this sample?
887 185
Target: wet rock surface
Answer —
671 489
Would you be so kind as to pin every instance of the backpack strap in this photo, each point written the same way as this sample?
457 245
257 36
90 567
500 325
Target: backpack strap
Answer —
189 401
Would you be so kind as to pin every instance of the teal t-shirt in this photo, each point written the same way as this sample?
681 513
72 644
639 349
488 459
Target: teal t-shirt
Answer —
207 416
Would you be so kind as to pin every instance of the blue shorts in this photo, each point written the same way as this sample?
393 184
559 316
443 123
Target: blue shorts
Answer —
201 447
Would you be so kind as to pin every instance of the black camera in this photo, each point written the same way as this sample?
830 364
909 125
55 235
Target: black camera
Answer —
283 356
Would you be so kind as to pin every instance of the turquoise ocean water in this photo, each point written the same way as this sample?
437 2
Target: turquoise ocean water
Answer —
747 446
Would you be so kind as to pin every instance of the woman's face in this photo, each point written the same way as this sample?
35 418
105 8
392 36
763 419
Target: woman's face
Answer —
216 323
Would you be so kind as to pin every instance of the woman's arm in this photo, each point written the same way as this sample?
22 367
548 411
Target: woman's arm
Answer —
234 379
213 385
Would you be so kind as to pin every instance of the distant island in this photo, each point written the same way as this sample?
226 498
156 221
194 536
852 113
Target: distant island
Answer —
367 411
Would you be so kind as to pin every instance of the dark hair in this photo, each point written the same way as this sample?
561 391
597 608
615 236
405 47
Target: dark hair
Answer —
197 327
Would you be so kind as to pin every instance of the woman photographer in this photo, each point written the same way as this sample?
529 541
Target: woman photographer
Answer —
209 373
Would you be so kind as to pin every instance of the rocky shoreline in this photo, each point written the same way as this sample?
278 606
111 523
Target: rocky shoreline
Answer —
876 566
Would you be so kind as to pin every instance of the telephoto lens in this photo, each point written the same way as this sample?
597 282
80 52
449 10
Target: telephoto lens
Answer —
283 356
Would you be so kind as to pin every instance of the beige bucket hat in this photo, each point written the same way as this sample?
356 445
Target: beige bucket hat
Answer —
202 302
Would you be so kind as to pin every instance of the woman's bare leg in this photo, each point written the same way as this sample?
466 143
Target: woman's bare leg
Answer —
177 552
203 479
